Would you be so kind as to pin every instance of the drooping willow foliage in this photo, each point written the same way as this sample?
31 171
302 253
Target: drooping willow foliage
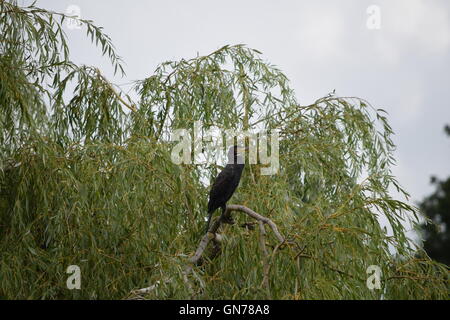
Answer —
86 178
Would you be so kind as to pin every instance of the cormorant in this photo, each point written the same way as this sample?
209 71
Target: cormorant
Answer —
226 182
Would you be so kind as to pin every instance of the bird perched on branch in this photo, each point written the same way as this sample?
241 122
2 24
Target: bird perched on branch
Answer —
226 182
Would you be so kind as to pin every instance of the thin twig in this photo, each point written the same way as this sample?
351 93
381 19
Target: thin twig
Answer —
131 107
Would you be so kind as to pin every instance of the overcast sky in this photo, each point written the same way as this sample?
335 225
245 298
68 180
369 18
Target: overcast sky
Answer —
402 67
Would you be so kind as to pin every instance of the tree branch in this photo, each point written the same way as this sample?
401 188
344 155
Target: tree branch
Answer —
110 86
212 235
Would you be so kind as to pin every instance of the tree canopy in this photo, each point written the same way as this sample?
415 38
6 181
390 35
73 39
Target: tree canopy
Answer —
87 179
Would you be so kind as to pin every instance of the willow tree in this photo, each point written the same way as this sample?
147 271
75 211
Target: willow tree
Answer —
87 179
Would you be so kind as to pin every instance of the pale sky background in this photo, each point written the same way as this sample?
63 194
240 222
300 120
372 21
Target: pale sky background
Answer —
403 67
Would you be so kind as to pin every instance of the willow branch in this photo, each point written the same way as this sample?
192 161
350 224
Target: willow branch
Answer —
109 85
212 235
257 216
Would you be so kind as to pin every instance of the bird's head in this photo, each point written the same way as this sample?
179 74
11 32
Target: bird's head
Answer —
235 154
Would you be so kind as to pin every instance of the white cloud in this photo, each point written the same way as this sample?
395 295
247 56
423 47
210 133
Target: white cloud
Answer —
411 104
422 26
321 30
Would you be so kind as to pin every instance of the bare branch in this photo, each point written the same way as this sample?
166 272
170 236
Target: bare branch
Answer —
212 235
257 216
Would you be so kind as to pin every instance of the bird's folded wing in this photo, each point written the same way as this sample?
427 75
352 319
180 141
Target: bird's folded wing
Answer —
222 184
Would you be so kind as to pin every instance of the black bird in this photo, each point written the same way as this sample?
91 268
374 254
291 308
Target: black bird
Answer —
226 183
